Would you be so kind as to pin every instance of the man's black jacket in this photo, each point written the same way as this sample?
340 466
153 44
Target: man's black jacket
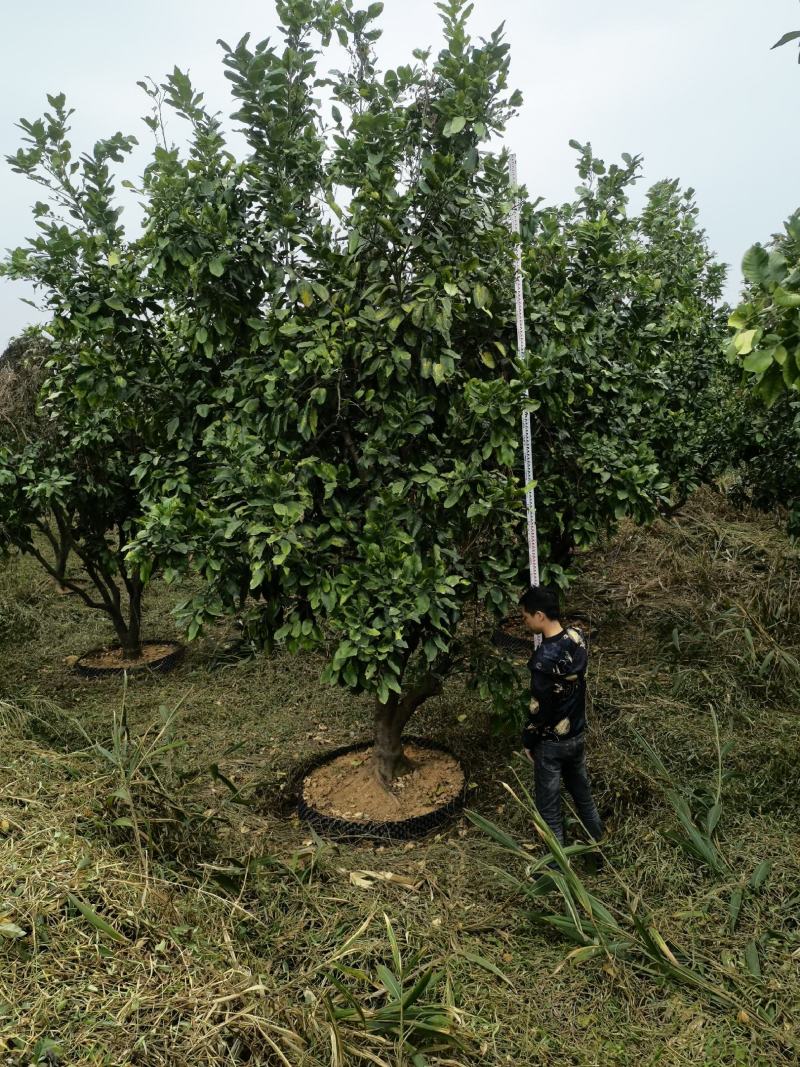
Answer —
558 688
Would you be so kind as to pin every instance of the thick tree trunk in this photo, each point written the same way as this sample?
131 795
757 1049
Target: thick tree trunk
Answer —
129 632
390 720
390 758
129 635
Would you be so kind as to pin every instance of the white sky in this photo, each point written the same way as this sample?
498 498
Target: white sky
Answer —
691 85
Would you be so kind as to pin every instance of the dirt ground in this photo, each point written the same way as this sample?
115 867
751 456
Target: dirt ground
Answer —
348 789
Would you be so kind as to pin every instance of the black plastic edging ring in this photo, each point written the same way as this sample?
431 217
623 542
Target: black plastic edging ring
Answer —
398 830
162 665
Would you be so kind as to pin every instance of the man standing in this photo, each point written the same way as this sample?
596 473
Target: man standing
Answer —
554 735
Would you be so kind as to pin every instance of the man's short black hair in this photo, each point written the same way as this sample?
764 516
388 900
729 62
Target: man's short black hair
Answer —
542 598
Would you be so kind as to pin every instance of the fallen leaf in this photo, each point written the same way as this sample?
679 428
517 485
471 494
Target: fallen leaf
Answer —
369 879
11 930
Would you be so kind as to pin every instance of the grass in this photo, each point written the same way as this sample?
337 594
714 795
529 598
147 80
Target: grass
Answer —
159 905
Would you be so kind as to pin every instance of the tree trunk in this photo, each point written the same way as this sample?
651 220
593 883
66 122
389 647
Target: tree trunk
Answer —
62 557
130 632
129 636
390 721
390 759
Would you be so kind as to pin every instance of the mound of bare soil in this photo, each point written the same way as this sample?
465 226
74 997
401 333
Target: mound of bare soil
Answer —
346 788
115 658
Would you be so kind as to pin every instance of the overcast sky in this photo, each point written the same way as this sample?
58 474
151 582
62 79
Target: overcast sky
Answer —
691 85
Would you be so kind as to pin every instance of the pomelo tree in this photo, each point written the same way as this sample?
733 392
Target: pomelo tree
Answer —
345 433
300 381
69 487
625 333
766 348
360 447
766 338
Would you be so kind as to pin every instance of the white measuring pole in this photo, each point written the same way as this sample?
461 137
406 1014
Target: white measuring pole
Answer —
527 448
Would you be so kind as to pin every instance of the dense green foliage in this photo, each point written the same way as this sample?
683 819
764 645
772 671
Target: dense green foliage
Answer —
70 490
625 330
357 437
765 437
766 343
767 446
300 382
767 322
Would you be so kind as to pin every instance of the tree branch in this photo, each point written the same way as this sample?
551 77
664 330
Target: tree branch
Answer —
66 582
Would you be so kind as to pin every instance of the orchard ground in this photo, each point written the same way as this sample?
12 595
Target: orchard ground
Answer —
235 919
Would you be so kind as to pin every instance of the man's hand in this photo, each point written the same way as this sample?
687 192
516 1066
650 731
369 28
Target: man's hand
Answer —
528 756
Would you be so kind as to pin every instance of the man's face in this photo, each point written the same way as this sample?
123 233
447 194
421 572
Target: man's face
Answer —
535 621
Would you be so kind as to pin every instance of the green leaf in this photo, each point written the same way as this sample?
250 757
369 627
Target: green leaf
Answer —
389 981
481 296
785 299
397 959
744 341
712 818
497 834
451 288
771 385
412 996
306 294
487 965
761 874
115 303
96 920
751 959
754 264
792 35
758 362
217 267
456 125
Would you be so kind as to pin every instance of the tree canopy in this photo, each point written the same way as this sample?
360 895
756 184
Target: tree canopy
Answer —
70 489
300 381
766 324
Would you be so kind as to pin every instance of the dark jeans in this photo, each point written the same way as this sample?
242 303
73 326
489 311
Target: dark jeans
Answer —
554 760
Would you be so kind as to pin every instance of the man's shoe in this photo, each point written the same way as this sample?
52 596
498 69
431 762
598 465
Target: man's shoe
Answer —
595 862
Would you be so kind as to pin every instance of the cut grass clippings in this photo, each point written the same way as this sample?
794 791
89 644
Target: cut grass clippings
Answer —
157 908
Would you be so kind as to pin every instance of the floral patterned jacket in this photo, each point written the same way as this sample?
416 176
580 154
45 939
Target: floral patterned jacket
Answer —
558 688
